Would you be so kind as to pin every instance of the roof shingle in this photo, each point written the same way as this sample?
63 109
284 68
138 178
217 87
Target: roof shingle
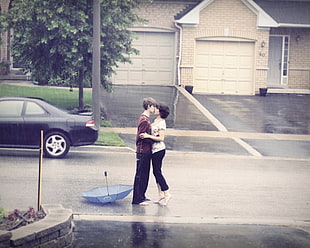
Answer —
287 12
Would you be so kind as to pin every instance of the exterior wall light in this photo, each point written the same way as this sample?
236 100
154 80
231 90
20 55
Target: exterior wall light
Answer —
262 44
297 38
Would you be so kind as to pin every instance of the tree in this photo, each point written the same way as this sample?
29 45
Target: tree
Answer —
53 38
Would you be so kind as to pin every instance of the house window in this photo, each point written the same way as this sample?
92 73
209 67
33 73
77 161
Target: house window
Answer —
285 59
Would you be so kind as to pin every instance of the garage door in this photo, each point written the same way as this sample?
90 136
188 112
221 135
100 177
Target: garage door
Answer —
154 65
224 67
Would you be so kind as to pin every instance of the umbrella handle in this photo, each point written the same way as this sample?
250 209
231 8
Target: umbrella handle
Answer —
106 179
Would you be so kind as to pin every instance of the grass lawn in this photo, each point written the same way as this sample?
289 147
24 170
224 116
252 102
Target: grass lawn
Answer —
109 139
65 99
62 98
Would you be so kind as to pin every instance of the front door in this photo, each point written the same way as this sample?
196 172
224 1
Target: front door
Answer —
278 61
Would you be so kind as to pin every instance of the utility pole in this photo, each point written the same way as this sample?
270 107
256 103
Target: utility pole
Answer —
96 63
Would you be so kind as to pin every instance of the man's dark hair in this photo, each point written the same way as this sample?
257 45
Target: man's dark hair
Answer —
149 101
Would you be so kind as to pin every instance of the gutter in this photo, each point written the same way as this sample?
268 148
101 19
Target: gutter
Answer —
180 53
289 25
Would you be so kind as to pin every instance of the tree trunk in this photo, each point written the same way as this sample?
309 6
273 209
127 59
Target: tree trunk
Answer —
81 93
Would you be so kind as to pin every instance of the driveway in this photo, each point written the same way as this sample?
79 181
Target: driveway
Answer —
198 118
124 105
275 113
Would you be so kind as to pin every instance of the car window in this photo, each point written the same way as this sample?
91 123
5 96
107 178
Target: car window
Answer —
11 108
34 109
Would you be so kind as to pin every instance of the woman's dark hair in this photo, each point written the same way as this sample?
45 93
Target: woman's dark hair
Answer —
164 110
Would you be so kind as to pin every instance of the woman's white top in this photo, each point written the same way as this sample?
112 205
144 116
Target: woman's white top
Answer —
156 127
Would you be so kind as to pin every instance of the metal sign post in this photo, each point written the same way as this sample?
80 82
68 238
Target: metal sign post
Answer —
40 173
96 63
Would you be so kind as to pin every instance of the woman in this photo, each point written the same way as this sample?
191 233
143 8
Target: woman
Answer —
159 150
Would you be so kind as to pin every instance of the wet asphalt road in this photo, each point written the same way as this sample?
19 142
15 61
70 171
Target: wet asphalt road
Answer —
218 201
219 188
138 234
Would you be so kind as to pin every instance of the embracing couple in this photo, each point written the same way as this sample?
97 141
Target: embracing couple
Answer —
150 146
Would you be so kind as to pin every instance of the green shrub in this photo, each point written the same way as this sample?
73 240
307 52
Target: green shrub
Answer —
3 214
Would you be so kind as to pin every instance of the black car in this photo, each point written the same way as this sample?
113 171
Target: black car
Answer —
23 118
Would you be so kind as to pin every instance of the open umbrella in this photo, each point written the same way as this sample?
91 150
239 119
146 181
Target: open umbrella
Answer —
107 193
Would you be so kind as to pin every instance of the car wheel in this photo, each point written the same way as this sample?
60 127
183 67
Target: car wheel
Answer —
56 145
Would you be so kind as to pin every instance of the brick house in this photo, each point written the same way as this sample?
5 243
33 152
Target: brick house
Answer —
222 46
219 46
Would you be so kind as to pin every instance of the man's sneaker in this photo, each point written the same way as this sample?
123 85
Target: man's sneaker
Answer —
144 203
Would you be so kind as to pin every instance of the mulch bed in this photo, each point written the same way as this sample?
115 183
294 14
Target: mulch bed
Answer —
17 218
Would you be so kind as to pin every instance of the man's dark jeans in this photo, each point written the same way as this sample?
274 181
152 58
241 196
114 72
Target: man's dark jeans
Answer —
141 177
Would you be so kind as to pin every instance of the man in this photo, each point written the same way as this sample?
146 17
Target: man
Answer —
143 153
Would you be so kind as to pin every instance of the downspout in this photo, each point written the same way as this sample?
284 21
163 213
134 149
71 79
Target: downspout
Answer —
180 53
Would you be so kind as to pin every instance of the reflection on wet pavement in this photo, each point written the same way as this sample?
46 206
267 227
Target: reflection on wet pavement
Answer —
124 106
280 148
142 234
276 113
197 144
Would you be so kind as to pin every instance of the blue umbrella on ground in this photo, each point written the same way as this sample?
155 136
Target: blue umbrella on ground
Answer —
107 193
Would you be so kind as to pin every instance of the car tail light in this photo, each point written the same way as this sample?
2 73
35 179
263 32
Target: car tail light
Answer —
90 123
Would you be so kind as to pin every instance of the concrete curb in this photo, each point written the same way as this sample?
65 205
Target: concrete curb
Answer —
203 110
55 230
193 220
215 134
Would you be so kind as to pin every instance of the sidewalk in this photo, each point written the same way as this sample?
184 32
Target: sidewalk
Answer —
215 134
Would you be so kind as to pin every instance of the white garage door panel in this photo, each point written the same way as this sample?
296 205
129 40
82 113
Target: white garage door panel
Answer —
202 60
230 62
136 64
224 67
133 75
166 52
123 74
215 74
214 86
216 61
245 74
243 87
164 64
204 86
229 85
149 64
229 74
154 64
